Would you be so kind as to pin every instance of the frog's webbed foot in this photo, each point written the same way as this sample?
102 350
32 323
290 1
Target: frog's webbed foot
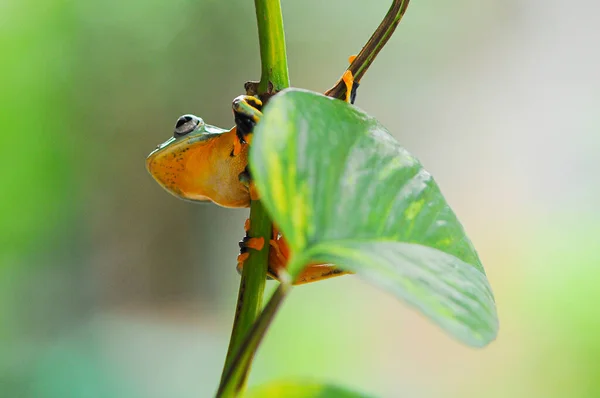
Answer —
247 112
351 84
348 80
351 87
279 255
245 245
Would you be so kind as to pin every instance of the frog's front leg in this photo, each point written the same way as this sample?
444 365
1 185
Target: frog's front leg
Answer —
247 112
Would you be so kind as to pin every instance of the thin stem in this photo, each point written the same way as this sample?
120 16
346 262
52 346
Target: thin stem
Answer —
274 77
246 352
252 286
367 55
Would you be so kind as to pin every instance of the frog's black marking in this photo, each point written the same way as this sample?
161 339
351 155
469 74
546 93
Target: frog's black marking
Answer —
334 271
353 92
244 122
245 126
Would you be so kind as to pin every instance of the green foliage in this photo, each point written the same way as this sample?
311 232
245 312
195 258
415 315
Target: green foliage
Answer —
36 176
343 191
301 389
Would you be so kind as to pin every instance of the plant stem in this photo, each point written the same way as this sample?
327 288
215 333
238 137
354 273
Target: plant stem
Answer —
245 354
252 286
274 76
240 353
367 55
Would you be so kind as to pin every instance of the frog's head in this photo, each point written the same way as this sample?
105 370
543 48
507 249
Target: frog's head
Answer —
182 164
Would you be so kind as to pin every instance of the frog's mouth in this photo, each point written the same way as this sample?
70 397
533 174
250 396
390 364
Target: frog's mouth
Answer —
163 145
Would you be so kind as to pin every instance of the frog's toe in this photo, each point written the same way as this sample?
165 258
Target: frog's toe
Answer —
241 259
248 106
251 243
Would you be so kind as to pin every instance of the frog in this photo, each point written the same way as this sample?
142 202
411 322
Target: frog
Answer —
205 163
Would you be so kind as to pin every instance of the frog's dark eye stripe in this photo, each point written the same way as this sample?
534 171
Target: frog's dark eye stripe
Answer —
186 124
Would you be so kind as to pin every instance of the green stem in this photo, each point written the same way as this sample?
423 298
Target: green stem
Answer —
245 353
252 286
367 55
274 78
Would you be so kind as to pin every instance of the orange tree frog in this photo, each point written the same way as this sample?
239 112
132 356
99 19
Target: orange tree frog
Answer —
203 163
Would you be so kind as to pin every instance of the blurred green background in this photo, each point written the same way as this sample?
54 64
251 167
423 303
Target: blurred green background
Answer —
110 287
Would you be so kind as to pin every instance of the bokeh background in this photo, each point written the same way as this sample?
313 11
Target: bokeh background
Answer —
110 287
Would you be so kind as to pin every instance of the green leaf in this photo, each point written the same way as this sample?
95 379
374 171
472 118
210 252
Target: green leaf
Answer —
342 190
301 389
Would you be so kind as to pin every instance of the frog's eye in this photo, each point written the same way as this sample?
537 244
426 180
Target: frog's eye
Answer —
186 124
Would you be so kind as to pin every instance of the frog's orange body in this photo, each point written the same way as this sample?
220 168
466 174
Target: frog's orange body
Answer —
202 169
